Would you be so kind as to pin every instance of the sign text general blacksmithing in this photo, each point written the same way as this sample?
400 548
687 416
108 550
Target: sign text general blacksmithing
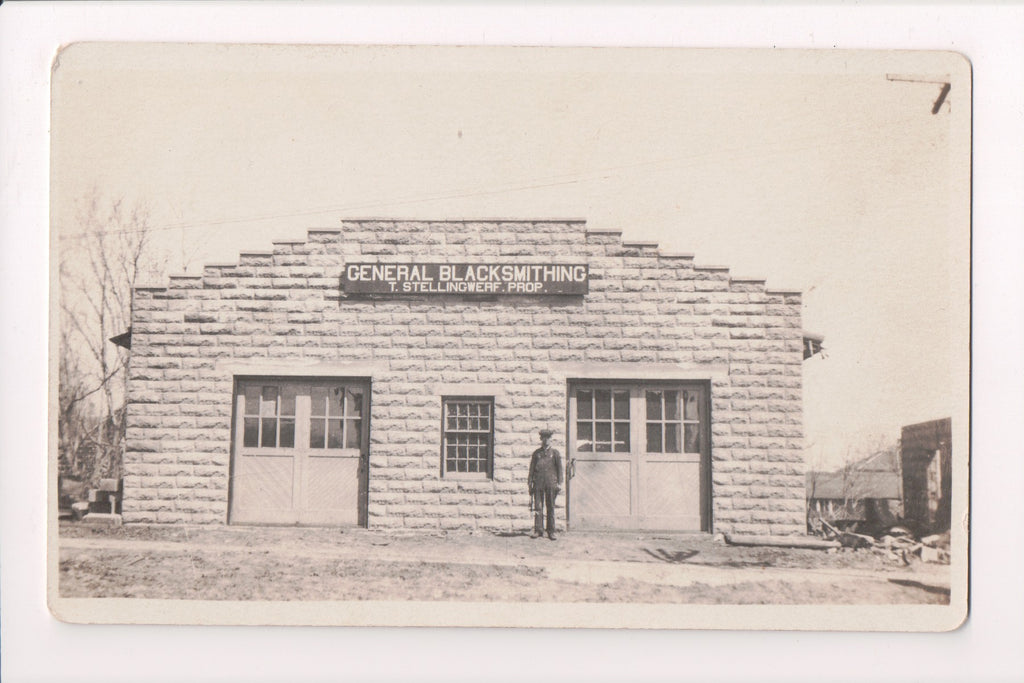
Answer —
404 279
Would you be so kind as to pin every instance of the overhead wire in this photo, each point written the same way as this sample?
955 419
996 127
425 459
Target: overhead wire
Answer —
766 149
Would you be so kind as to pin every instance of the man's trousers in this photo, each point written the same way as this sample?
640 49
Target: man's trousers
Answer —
544 500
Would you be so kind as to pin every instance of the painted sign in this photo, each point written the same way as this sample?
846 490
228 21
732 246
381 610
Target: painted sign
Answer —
411 279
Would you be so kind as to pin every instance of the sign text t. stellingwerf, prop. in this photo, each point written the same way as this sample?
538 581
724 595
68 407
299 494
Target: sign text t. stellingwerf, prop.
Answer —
465 278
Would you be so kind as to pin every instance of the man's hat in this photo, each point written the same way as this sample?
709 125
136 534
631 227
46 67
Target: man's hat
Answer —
546 433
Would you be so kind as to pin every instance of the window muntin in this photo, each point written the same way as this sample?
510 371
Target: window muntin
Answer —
269 417
467 436
602 420
335 416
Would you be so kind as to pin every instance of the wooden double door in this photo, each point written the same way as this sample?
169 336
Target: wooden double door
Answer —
638 456
299 451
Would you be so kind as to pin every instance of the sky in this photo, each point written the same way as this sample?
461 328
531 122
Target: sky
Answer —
826 173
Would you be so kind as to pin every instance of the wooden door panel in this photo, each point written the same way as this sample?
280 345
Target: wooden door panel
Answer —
601 494
297 482
639 489
670 495
263 489
332 489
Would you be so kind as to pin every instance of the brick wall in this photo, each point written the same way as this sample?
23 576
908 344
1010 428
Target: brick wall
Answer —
284 307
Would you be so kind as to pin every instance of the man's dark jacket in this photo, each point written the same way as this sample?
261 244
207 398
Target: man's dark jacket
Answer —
545 469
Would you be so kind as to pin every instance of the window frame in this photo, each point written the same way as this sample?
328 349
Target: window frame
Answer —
261 418
488 472
681 421
613 419
302 416
638 416
348 422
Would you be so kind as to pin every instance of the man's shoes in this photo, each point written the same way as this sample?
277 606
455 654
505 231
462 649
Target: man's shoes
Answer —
551 536
536 534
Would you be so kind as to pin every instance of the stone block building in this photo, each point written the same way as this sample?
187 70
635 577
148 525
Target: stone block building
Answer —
394 374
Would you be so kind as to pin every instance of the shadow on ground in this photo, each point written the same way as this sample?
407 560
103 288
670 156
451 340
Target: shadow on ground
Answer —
706 560
672 557
512 534
937 590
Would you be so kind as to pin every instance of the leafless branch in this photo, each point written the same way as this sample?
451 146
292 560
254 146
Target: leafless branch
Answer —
97 282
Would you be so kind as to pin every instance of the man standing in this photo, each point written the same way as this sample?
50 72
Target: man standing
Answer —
545 481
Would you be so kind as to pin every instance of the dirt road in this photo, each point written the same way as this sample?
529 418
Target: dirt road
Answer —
266 563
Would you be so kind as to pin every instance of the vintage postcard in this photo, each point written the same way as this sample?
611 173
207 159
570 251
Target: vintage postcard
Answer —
532 337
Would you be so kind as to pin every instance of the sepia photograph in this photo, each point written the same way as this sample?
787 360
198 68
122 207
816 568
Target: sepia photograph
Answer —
509 336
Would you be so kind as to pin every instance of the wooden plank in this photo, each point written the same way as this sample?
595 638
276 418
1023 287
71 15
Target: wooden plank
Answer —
781 541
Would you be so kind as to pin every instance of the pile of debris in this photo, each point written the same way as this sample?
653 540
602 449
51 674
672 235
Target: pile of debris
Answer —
103 503
897 544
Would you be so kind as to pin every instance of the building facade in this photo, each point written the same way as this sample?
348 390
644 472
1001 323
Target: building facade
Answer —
394 374
926 449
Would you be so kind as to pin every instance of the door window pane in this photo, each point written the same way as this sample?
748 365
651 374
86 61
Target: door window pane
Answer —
693 438
584 405
603 440
584 436
288 400
603 405
317 433
692 407
252 400
268 406
671 405
353 433
621 437
354 407
653 405
621 405
268 435
334 434
287 433
672 438
653 437
251 439
336 405
318 397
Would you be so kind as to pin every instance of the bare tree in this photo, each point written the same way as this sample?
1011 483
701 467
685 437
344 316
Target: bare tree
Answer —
101 260
853 490
73 418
